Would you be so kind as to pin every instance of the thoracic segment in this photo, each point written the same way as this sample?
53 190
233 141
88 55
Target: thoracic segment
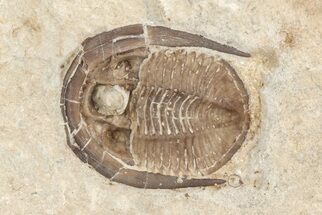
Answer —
177 133
164 112
185 119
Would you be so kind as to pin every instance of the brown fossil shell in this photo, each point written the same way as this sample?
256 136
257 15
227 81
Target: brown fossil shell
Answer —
151 116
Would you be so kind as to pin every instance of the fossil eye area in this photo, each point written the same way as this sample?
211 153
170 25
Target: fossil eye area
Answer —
146 111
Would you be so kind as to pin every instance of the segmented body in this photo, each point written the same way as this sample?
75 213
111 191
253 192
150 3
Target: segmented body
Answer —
186 116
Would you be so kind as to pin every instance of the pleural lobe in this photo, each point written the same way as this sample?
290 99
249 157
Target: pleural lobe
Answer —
188 113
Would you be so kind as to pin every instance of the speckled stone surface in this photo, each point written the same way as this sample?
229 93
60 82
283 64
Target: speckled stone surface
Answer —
280 164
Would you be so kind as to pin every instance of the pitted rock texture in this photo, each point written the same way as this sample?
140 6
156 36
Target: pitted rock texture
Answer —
278 171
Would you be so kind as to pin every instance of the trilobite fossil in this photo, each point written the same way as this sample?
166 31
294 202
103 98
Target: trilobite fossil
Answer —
144 110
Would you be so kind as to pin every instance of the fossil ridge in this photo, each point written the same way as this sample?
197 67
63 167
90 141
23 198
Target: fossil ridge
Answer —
154 119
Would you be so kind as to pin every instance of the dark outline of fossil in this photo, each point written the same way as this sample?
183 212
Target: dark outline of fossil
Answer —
97 49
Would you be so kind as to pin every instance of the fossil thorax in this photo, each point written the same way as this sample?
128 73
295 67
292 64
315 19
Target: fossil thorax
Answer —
186 115
147 118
